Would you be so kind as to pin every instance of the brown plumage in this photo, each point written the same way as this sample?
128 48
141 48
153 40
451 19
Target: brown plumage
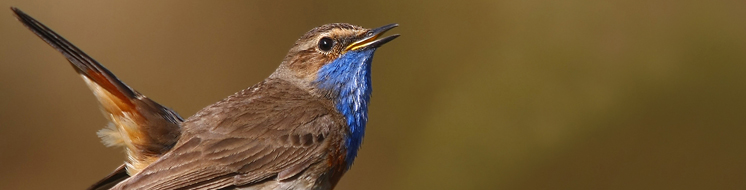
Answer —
285 132
249 144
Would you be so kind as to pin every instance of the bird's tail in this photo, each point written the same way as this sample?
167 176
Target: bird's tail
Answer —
145 128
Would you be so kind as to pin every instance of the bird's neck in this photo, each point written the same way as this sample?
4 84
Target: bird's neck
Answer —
347 81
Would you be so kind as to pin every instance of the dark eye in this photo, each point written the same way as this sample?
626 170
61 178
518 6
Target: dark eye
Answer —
326 43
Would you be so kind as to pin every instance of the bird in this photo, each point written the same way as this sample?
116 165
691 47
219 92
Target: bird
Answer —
300 128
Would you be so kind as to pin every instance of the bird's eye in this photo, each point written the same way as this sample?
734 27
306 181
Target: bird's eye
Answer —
326 43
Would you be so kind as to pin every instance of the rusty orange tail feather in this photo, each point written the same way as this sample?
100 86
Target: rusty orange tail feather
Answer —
145 128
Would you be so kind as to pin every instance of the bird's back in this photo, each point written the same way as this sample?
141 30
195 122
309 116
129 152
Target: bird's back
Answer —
273 135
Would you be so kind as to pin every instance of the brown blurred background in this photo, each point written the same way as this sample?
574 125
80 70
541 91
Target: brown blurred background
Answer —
618 94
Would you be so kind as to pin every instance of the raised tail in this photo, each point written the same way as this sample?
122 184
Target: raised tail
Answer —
145 128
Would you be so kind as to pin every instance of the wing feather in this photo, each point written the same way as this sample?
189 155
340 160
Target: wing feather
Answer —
273 132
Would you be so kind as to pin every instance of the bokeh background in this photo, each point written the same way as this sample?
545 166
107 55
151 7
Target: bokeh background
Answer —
541 94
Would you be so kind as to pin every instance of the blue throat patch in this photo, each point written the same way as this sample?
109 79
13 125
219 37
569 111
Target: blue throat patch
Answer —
348 80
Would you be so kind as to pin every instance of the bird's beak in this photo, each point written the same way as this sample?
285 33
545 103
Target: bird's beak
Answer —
370 40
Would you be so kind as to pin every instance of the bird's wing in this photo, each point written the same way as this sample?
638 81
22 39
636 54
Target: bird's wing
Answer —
146 128
267 132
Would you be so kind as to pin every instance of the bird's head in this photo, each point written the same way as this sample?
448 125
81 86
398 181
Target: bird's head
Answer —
331 57
333 61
